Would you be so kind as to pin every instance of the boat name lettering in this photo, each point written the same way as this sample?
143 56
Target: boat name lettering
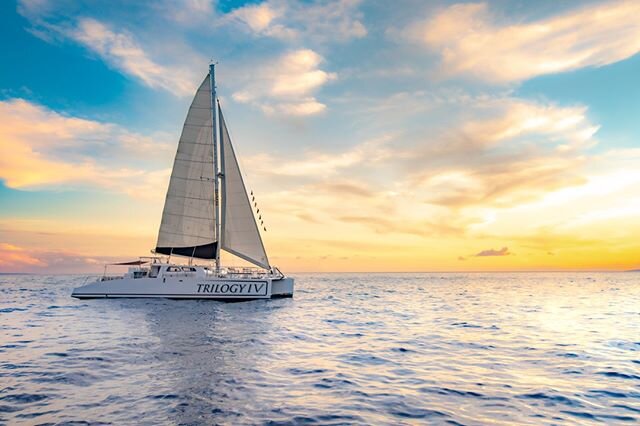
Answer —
233 288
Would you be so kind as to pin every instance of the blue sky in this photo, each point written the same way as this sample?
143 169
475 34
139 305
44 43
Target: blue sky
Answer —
464 112
66 76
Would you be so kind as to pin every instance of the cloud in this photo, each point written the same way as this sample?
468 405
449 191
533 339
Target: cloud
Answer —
318 164
120 50
19 259
406 225
492 155
42 148
504 251
518 150
348 189
16 259
334 21
472 41
604 204
568 127
283 83
188 13
516 147
258 17
132 55
287 84
303 107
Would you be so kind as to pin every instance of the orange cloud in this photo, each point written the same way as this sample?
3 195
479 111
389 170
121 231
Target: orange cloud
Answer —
16 259
22 259
42 148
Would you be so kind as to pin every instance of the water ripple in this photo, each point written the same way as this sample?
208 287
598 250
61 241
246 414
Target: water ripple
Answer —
454 349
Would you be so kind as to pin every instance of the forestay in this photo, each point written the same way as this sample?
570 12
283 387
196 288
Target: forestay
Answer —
240 234
188 218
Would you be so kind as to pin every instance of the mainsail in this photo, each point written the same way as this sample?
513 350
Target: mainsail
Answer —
188 219
239 235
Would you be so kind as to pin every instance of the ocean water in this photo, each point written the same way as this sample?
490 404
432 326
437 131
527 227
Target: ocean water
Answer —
522 348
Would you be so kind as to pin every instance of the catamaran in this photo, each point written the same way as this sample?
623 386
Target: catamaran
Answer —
207 209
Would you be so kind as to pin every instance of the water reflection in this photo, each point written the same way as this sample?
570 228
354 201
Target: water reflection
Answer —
210 355
368 349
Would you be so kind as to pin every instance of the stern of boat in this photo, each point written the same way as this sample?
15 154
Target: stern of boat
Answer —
282 287
92 290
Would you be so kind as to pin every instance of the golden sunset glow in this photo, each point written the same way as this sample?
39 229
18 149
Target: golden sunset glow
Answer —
476 140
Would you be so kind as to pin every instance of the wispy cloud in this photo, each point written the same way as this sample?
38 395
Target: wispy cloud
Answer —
286 85
420 228
345 188
42 148
337 20
504 251
519 150
20 259
318 164
16 259
449 183
491 152
607 195
284 82
123 46
473 41
188 13
120 50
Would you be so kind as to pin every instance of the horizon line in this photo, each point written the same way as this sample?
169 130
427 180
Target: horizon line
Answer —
385 272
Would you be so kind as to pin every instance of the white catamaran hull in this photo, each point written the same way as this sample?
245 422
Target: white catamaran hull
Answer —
229 289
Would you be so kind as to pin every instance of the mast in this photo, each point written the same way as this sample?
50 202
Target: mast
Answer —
216 170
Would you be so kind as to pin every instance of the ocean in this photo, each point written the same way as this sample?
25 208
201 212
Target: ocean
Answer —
437 348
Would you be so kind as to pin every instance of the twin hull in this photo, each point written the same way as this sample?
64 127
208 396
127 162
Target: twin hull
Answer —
188 288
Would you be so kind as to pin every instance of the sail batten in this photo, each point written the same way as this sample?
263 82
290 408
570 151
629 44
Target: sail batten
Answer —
240 235
188 219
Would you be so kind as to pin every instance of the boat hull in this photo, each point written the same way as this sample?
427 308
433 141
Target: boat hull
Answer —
226 289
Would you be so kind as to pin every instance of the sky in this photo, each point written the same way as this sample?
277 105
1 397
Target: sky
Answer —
376 136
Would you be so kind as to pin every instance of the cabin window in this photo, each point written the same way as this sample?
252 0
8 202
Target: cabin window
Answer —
154 271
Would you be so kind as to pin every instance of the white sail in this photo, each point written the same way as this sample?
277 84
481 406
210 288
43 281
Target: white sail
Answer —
240 234
188 218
